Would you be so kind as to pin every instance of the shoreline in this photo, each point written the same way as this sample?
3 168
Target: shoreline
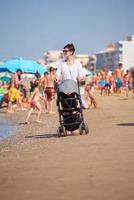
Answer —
21 132
5 129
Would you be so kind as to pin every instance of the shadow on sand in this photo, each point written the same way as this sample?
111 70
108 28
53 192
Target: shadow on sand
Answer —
125 124
43 136
47 136
124 99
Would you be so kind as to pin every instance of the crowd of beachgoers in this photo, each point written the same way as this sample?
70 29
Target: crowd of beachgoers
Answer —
38 92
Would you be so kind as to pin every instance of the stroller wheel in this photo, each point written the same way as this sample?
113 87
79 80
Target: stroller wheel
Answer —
83 128
61 131
57 102
86 128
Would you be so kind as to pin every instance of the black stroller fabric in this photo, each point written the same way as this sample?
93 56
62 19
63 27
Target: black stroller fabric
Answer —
69 104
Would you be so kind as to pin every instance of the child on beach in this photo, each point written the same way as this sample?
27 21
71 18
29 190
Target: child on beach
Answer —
43 85
35 103
89 96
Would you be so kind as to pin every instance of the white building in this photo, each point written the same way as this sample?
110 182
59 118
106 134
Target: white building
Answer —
115 53
125 52
52 56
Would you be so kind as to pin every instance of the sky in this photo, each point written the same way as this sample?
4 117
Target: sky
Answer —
29 28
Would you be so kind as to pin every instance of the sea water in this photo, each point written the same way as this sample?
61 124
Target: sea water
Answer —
5 129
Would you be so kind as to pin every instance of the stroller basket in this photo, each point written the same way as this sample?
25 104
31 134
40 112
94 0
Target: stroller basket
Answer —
71 120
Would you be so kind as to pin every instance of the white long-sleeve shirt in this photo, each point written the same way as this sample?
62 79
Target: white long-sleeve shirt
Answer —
73 71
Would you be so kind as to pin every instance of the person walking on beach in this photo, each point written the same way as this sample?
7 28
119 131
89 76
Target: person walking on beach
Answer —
50 89
70 67
132 78
107 83
18 82
101 84
16 78
118 78
127 82
14 97
35 103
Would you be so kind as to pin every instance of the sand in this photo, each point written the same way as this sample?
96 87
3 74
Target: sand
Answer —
37 164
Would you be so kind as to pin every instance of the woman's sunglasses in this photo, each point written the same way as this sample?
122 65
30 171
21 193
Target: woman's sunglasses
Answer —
65 51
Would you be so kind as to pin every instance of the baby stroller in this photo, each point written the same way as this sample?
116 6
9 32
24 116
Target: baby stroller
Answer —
70 108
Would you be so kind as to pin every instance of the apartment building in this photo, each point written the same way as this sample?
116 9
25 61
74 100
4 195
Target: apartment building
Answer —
125 53
52 56
115 53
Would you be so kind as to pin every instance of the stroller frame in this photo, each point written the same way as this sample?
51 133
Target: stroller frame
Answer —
70 113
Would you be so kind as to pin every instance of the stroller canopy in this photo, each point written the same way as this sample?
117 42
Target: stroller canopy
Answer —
68 86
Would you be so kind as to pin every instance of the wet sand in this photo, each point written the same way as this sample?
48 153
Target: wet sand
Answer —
36 164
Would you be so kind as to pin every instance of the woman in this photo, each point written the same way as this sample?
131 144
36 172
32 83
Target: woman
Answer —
70 67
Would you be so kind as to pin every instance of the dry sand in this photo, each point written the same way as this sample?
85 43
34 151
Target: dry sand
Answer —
36 164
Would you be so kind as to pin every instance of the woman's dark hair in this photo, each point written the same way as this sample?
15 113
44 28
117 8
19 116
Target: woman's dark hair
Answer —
37 75
52 69
33 85
70 47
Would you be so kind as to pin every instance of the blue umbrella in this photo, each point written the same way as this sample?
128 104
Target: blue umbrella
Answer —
27 66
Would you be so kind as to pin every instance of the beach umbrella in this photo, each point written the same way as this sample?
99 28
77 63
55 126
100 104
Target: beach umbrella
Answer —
27 66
